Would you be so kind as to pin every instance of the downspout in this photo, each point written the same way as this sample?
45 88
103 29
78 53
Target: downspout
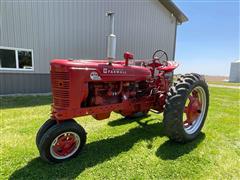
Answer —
175 39
1 21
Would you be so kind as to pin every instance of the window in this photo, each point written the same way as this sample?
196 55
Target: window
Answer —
16 59
7 58
25 59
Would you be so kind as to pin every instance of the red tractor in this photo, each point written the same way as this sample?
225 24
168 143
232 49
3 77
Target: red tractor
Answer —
128 87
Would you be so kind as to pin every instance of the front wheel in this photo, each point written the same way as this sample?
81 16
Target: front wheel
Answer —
62 142
49 123
186 108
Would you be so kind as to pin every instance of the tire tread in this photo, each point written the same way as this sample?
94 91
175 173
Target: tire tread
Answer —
175 101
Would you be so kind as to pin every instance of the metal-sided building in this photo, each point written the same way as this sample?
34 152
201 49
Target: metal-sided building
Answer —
34 32
234 75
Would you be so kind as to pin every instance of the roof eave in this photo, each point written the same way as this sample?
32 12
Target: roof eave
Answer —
180 16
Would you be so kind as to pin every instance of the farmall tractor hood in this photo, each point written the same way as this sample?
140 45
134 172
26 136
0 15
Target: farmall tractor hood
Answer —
97 70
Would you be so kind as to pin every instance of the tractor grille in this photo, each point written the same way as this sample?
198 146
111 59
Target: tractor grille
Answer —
60 89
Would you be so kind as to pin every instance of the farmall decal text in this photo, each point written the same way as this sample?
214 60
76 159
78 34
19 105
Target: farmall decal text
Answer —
114 71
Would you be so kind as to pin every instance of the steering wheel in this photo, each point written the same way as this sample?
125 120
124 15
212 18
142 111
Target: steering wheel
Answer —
163 53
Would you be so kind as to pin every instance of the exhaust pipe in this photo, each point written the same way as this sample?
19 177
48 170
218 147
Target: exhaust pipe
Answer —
111 39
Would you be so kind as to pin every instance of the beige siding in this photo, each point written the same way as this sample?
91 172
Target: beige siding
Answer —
78 29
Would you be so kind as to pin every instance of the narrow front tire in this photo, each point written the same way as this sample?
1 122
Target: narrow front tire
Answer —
62 142
48 124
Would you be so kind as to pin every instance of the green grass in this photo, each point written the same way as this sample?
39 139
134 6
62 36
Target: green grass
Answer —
224 83
121 149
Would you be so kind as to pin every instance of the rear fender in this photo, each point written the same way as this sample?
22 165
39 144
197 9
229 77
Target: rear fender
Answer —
171 65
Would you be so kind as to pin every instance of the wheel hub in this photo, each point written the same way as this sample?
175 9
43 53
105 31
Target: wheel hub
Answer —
65 145
193 109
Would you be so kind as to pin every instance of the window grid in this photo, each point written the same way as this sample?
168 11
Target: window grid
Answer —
17 60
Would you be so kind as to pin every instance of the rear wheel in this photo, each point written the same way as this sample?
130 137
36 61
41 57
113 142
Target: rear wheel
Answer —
186 108
62 142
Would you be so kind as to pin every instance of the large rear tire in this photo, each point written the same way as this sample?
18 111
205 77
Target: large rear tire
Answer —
62 142
186 108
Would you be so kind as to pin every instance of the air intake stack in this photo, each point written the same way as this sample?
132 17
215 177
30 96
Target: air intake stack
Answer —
111 39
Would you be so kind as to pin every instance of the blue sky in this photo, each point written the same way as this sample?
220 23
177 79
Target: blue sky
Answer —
209 41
